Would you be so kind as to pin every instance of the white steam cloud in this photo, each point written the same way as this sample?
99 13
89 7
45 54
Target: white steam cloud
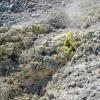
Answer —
78 8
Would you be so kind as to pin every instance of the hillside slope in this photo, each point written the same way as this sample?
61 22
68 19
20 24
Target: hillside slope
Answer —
49 50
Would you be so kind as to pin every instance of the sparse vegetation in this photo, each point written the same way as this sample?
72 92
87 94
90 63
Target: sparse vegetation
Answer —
70 43
41 28
36 57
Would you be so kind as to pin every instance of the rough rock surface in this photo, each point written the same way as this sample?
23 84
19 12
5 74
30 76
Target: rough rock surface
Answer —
79 80
37 60
16 11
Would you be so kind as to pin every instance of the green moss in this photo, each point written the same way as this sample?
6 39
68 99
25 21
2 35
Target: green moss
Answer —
41 28
37 29
70 43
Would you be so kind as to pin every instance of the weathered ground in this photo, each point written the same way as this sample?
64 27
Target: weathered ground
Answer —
35 61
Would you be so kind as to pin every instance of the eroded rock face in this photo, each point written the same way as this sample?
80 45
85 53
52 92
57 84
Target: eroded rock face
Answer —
30 53
28 63
79 80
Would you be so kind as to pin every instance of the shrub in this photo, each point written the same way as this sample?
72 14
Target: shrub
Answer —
70 44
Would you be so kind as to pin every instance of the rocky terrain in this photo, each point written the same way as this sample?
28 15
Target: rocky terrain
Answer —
49 50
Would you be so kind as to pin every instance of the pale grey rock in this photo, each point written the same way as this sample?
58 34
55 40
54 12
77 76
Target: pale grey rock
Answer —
79 80
23 54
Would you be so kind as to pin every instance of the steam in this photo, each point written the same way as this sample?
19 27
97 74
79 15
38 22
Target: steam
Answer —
76 9
73 10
